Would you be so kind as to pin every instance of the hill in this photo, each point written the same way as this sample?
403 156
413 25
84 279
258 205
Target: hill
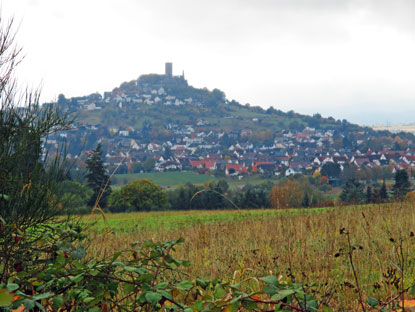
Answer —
154 99
161 123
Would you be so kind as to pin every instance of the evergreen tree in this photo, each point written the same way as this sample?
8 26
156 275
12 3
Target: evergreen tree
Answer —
167 152
306 201
369 195
383 192
97 178
402 184
331 170
352 192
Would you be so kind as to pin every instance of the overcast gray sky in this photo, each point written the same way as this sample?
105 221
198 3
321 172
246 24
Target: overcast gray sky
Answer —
350 59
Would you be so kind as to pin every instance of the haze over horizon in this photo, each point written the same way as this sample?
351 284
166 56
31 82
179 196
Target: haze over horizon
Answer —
352 59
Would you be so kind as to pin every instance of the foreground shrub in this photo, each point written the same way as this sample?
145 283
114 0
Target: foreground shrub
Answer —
145 277
29 179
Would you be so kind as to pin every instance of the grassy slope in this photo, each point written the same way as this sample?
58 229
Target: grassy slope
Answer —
176 178
242 117
164 179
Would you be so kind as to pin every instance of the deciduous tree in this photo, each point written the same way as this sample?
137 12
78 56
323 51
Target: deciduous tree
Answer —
287 194
142 195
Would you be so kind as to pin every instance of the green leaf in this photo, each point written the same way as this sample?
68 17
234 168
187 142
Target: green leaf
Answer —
41 308
202 283
118 263
145 278
12 287
116 255
42 296
236 299
219 293
61 258
153 297
184 285
235 286
88 299
5 197
76 279
269 279
372 301
94 272
78 253
234 307
135 269
57 302
270 289
162 285
29 304
148 244
249 305
77 265
165 294
128 288
6 298
198 305
282 294
310 305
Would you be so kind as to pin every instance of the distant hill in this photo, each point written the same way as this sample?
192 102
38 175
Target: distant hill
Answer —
396 128
170 100
162 119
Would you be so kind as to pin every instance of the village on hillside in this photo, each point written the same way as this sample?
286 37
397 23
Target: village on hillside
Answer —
197 144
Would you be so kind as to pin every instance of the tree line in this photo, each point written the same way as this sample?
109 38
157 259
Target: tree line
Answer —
298 191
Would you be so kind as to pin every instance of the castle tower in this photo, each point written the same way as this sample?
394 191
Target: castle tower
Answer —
169 69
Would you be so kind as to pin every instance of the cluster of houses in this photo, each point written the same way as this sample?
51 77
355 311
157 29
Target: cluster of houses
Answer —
136 94
198 145
290 152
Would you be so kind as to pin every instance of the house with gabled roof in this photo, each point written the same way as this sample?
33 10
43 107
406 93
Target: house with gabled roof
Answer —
235 169
206 163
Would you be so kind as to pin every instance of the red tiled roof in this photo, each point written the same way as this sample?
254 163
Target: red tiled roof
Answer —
205 163
237 167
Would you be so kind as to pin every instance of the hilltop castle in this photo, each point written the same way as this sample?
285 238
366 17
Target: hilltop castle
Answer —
168 71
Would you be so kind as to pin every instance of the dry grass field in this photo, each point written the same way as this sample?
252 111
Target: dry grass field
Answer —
345 251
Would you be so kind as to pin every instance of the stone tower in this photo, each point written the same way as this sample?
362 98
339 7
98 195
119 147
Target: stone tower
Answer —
169 69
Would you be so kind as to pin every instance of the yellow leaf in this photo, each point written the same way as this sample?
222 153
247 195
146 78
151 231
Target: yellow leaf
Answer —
408 305
256 297
6 298
227 308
